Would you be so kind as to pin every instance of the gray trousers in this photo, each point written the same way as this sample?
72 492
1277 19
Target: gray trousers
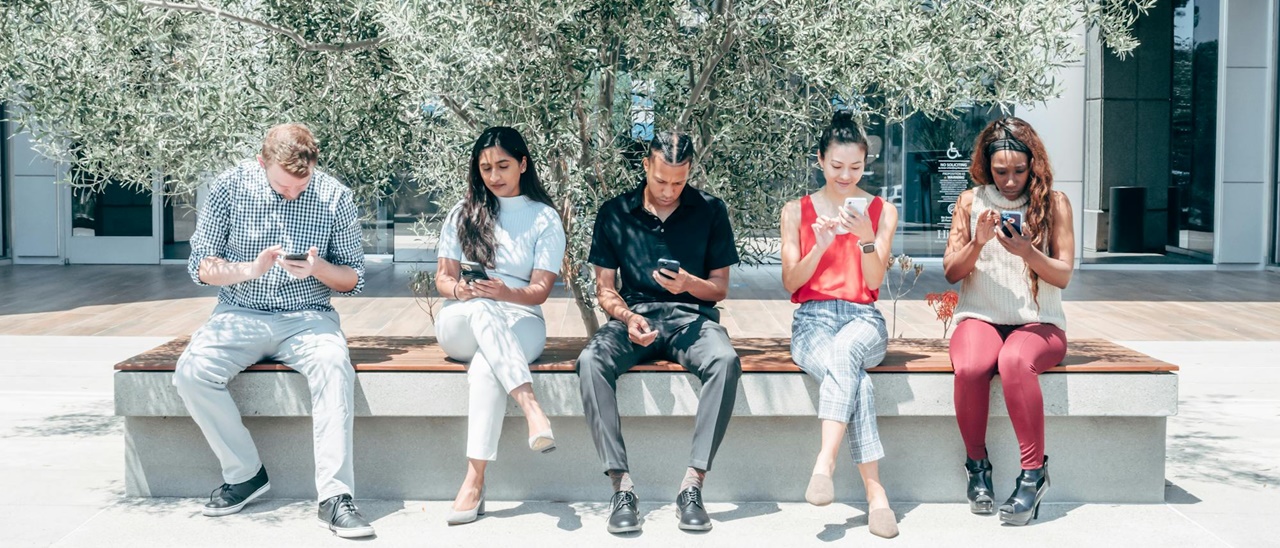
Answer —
687 334
309 342
836 342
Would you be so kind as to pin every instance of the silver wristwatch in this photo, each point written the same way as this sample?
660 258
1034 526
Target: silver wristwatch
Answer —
869 247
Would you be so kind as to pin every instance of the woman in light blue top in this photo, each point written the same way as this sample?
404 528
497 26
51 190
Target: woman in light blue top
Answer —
499 255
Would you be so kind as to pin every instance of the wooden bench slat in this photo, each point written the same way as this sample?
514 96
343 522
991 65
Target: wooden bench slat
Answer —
759 355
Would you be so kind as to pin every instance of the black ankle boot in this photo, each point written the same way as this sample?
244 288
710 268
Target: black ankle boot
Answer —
981 495
1024 504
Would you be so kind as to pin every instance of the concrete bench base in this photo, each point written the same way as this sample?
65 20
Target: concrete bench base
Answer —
1106 438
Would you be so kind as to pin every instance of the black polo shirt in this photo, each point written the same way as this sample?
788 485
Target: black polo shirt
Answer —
630 239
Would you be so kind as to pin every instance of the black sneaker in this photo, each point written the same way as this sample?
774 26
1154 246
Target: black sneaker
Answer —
624 518
693 517
229 499
342 517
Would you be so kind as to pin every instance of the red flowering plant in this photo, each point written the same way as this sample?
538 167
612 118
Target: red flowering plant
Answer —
945 305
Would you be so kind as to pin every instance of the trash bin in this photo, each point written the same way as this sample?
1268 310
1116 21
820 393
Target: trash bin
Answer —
1128 210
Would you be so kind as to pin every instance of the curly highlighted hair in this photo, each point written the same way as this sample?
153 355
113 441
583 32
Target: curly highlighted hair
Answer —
1039 184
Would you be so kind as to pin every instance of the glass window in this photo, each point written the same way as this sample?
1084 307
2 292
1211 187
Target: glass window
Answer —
1194 127
4 184
112 211
930 168
416 218
179 224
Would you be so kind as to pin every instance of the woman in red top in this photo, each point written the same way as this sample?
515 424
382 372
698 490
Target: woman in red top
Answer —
835 249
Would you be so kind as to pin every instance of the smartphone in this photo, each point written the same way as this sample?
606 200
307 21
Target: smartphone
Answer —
1016 217
472 272
668 264
858 204
295 256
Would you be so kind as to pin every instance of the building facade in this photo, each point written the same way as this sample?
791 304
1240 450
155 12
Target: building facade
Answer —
1168 157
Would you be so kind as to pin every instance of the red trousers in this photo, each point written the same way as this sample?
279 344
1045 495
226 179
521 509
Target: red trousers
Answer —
1019 353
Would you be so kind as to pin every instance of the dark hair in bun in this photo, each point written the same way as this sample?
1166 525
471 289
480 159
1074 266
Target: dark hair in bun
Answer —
842 131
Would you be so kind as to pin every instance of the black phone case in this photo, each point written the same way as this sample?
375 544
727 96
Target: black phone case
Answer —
473 275
1017 223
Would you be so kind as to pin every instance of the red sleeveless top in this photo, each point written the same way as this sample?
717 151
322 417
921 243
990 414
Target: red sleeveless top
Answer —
839 273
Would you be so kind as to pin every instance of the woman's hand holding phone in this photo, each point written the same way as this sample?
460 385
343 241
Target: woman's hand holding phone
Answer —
1012 237
856 222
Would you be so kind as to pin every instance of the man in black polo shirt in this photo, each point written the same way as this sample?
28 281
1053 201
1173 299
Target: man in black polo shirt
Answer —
661 313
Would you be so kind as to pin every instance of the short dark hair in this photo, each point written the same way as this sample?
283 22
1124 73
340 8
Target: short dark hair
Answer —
674 147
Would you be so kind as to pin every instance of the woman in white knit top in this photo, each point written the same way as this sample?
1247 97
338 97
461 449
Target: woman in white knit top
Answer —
507 227
1010 310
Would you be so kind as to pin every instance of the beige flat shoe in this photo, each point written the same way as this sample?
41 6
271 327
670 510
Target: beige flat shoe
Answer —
543 442
821 491
883 523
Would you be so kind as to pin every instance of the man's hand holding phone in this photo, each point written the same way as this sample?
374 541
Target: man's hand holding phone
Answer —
670 276
639 331
265 260
298 265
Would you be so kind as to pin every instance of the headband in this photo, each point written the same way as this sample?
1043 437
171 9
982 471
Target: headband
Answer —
1008 142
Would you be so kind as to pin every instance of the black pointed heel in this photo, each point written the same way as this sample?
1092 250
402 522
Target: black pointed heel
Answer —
980 493
1024 504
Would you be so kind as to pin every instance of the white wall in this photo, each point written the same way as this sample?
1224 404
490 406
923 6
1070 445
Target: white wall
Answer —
35 204
1061 125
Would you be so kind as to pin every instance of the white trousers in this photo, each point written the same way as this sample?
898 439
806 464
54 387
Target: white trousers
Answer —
309 342
498 340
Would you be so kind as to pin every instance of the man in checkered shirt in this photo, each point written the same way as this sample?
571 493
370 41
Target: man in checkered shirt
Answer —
278 237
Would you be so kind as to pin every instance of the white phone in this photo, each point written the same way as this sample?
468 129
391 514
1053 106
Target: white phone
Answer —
858 204
854 203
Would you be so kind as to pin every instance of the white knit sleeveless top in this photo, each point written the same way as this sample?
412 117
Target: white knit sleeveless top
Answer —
998 291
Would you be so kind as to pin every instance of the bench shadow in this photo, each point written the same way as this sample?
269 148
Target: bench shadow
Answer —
567 519
374 354
1174 494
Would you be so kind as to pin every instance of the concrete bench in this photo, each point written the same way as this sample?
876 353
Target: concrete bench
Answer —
1106 408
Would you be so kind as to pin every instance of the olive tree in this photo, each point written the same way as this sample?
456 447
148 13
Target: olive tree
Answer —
401 87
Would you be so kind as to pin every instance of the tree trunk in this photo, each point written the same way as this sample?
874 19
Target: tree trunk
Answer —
587 311
573 270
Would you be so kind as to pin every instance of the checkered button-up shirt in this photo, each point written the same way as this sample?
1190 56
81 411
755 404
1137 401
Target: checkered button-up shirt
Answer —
243 216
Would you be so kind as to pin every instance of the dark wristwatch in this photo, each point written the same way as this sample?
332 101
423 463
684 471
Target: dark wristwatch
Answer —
869 247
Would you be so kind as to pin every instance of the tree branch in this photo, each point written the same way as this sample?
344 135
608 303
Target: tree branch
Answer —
460 112
705 78
199 7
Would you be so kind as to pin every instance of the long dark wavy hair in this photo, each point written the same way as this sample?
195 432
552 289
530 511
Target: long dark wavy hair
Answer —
1039 221
480 209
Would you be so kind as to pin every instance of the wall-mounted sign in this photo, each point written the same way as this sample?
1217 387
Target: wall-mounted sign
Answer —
953 167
